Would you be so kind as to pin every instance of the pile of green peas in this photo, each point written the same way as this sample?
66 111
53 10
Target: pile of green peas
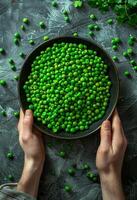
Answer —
68 87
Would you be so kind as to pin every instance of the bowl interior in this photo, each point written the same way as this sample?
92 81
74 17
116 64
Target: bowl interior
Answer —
26 69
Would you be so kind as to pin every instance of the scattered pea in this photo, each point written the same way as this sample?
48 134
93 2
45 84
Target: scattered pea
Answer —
115 47
54 3
91 27
71 171
125 54
22 27
97 28
92 16
25 20
32 42
116 41
110 21
127 73
16 114
90 175
130 51
75 34
62 154
68 188
66 18
135 68
10 177
115 58
10 155
3 112
2 51
3 83
91 33
133 62
78 3
16 77
42 25
16 41
94 179
65 12
22 55
45 38
11 61
17 35
13 67
86 166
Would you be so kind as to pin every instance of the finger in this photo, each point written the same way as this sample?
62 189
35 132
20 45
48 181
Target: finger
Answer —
20 123
118 133
105 134
28 122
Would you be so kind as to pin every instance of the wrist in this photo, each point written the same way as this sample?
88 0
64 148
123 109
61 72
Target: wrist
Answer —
111 185
30 177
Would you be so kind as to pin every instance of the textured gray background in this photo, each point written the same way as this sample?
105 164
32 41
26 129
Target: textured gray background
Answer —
80 151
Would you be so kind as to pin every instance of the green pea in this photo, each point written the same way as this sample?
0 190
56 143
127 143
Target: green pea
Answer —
2 51
3 83
125 54
26 20
45 38
90 175
75 34
62 154
16 77
130 51
91 33
78 3
68 188
3 112
115 58
32 42
127 73
10 155
42 25
22 55
86 166
115 47
54 4
71 171
17 35
16 41
93 17
10 177
22 27
65 12
110 21
66 18
16 114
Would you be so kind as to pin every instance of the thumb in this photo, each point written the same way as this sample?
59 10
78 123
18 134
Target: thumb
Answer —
28 121
105 135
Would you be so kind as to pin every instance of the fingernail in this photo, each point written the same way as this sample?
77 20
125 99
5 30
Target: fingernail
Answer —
28 113
106 124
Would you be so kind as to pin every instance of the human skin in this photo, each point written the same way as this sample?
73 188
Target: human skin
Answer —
34 154
109 158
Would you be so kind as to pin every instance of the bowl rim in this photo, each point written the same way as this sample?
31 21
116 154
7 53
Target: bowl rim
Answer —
113 107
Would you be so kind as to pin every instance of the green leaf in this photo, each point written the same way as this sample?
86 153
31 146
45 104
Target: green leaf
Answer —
133 19
132 2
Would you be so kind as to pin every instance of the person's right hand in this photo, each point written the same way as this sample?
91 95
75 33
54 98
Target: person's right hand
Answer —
31 142
30 139
110 157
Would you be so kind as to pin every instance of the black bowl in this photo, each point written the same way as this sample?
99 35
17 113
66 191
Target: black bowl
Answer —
26 69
